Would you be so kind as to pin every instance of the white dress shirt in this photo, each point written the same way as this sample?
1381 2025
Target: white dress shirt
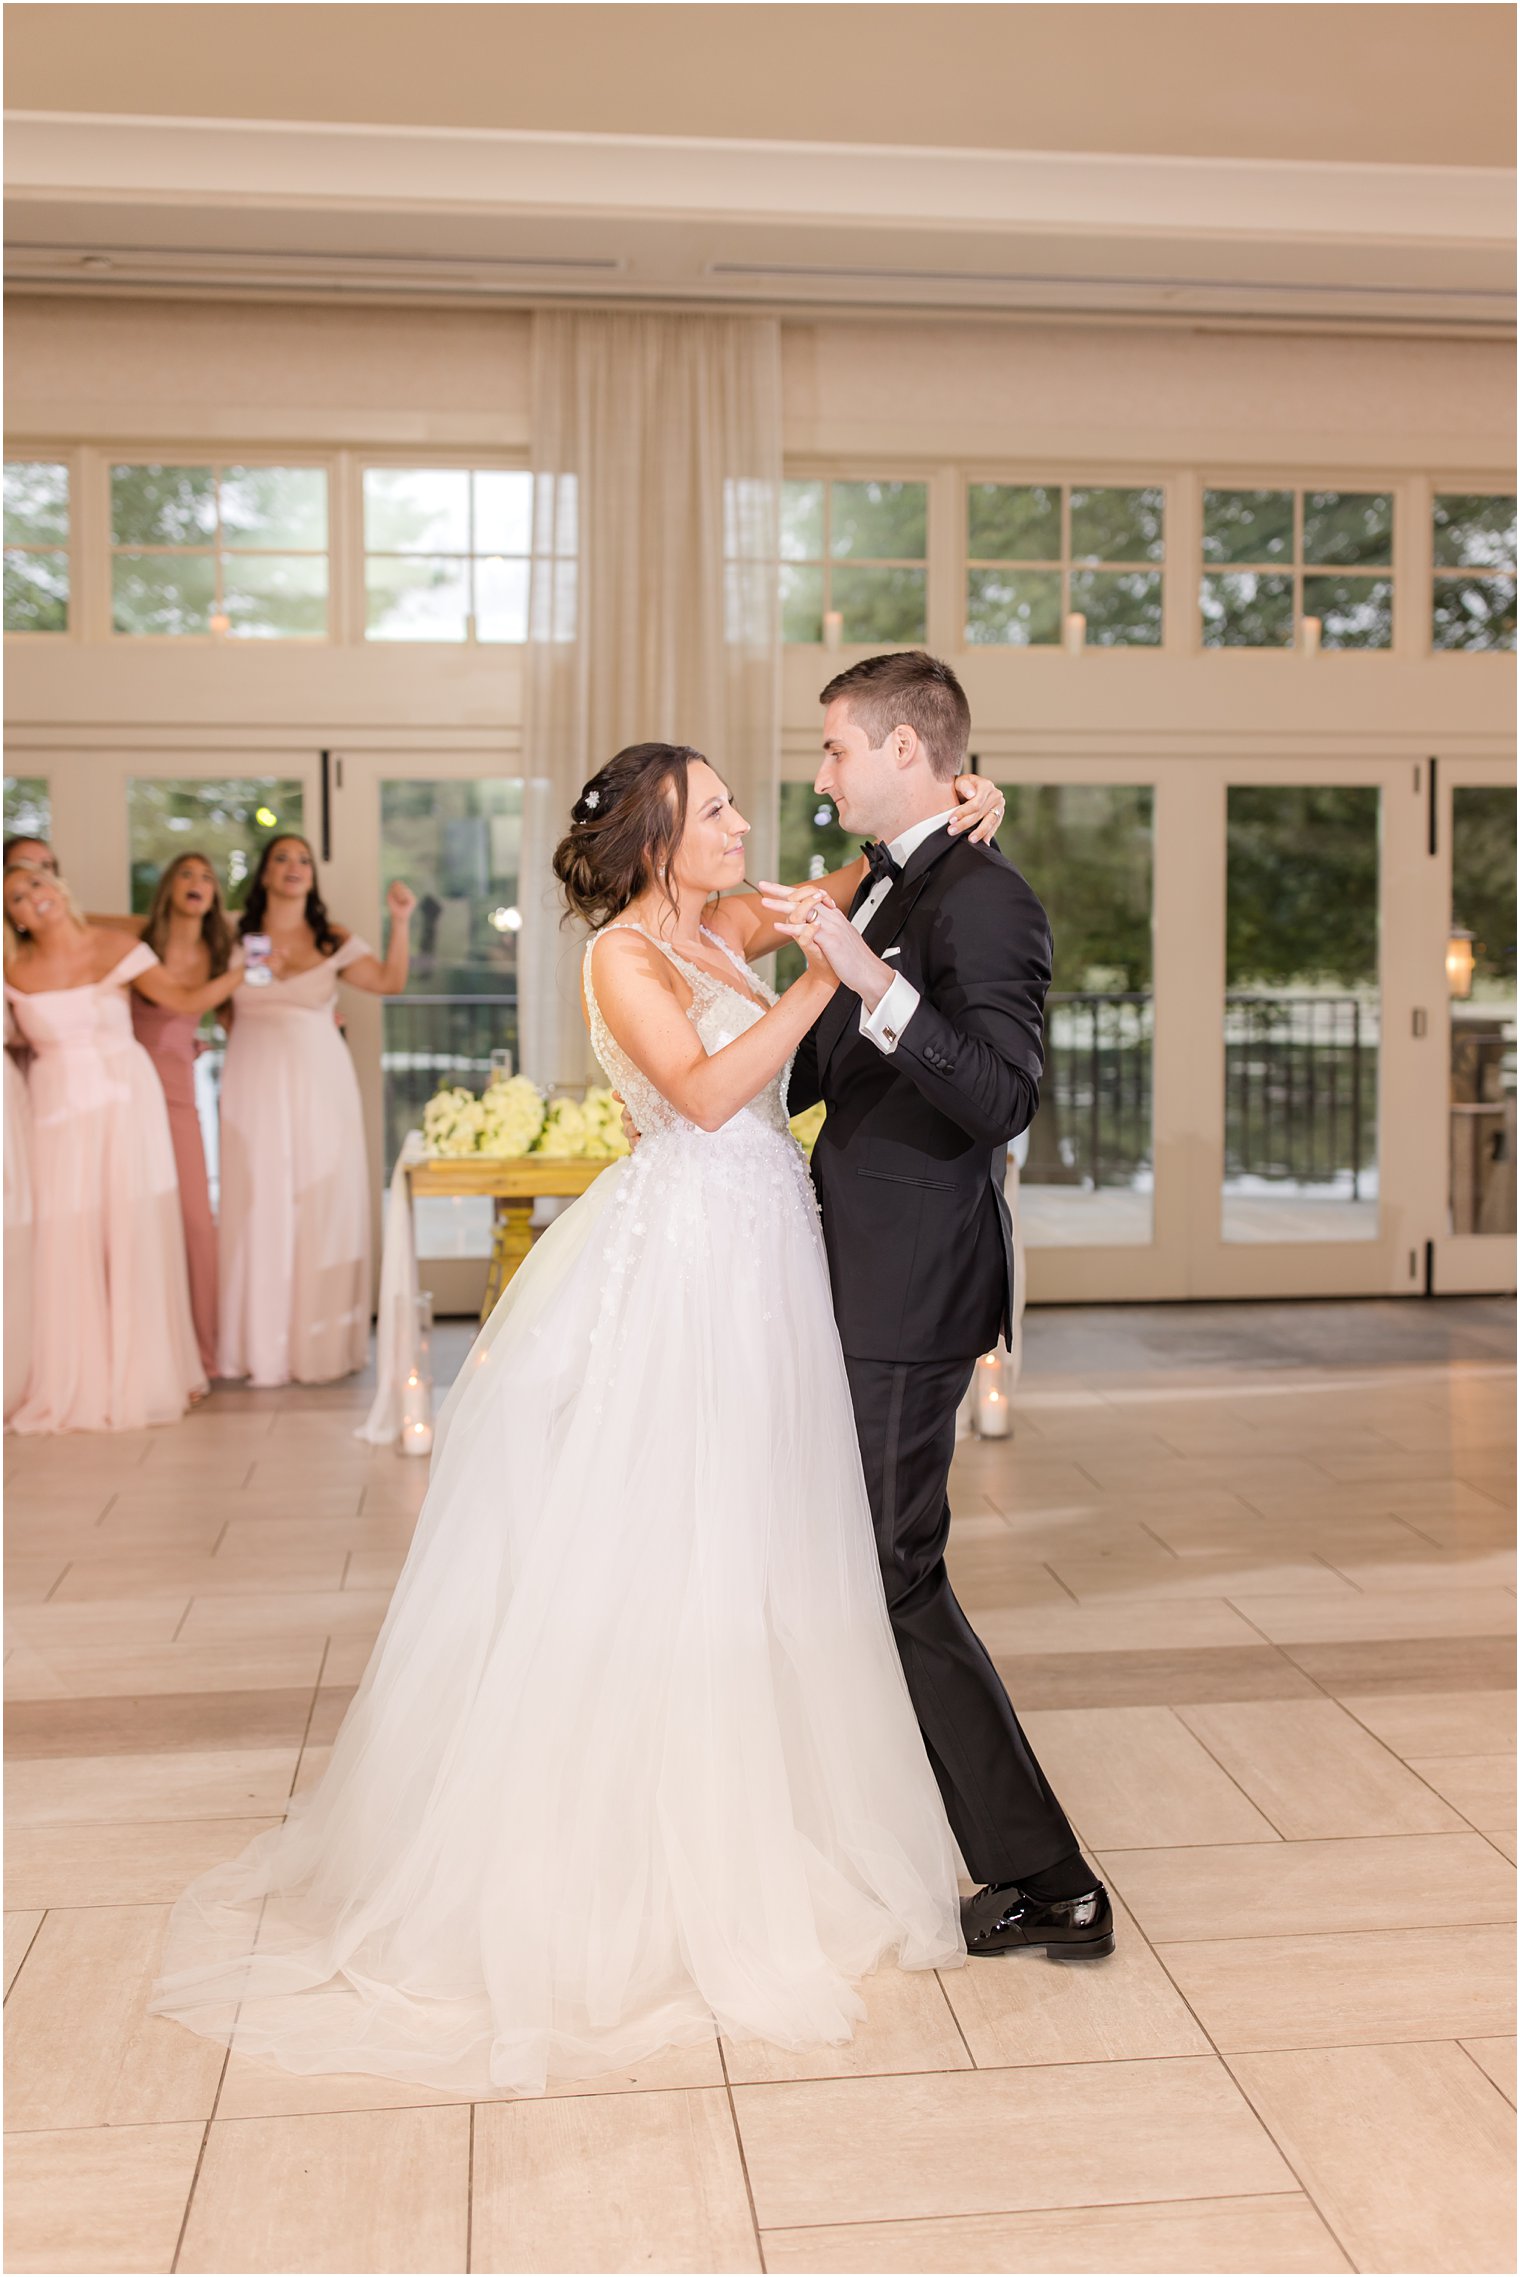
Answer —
886 1024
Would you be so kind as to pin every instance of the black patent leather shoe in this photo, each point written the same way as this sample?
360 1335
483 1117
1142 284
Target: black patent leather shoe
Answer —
1004 1919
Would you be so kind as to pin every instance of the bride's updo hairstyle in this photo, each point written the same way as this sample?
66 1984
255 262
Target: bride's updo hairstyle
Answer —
624 831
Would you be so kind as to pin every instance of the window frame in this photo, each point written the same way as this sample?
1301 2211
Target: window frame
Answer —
1046 478
828 472
431 462
1457 486
1295 569
29 453
112 456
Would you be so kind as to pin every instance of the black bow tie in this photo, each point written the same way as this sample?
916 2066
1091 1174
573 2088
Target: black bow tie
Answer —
880 862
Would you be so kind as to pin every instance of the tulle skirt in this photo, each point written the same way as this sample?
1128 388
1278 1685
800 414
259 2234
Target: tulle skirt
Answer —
633 1757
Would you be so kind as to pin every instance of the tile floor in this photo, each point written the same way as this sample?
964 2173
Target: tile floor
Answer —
1248 1570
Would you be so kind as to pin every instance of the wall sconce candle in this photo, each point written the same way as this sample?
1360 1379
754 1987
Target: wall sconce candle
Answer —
1311 630
1074 633
833 628
1460 962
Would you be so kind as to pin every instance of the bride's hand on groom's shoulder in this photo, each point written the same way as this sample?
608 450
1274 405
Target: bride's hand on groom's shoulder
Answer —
981 809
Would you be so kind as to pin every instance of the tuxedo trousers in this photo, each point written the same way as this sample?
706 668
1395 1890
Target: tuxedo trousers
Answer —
998 1801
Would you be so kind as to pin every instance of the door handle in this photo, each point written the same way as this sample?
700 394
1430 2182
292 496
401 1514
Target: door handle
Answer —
1417 1021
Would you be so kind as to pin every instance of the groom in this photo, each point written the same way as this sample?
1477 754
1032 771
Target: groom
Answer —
928 1060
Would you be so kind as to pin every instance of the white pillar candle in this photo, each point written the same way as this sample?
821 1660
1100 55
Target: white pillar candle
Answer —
833 628
1312 628
991 1417
1074 633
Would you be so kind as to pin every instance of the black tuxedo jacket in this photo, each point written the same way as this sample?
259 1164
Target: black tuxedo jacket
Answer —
910 1161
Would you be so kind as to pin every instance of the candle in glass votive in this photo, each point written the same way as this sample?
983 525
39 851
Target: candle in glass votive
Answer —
833 628
416 1437
1074 633
1312 628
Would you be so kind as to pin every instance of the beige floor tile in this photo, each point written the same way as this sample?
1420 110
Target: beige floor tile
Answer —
1001 2142
1100 1580
1078 1534
908 2026
345 2190
262 2091
1117 1628
1441 1723
1481 1787
95 1865
994 1573
223 1783
320 1506
159 1573
1497 2058
81 2048
1248 1535
1289 1889
1501 1840
20 1929
276 1538
611 2183
1152 1679
1392 1613
1137 1776
1412 1500
98 2198
1315 1772
197 1722
1351 1669
374 1569
1329 1992
67 1628
255 1616
1220 2237
1477 1568
1020 2008
1407 2151
32 1576
78 1672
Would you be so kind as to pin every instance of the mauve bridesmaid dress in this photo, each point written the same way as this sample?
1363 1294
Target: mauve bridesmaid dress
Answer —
293 1237
168 1038
113 1344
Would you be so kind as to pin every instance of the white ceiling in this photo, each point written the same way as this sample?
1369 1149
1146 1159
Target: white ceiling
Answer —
112 200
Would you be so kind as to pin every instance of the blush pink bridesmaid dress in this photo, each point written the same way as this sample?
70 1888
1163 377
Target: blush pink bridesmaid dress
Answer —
113 1344
168 1038
18 1224
294 1238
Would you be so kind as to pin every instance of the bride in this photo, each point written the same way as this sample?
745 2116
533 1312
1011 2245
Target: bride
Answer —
633 1757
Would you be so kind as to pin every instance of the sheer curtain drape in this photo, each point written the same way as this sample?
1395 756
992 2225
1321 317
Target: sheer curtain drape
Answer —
653 614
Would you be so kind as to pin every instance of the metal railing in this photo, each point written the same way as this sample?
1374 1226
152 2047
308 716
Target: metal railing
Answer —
1300 1089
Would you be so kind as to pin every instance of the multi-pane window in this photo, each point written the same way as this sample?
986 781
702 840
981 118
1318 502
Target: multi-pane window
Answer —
447 552
236 550
855 551
1038 551
1474 594
1274 557
36 546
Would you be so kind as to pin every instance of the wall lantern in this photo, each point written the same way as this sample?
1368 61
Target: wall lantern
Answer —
1460 962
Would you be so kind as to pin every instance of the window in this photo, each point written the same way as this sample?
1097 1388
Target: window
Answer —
36 546
203 550
856 551
447 551
1039 551
28 807
1474 596
1276 556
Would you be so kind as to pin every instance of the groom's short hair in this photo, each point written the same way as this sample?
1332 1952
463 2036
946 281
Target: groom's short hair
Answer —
909 688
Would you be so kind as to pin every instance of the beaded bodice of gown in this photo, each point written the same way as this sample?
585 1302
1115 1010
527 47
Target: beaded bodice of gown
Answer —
719 1010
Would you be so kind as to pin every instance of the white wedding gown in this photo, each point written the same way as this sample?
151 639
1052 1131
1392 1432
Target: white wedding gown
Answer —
633 1757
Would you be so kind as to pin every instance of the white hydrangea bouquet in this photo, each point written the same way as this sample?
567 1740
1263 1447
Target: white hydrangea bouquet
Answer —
513 1118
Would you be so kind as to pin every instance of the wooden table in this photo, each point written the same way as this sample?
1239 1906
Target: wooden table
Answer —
514 1182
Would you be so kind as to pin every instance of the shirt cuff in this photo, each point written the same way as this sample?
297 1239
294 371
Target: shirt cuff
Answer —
886 1024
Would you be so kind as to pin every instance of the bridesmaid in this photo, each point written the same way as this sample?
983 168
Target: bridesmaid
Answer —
188 932
18 1221
294 1237
113 1343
